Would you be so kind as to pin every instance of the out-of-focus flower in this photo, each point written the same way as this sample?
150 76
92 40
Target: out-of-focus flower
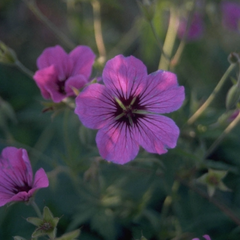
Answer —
213 180
231 15
60 72
16 177
195 29
127 109
207 237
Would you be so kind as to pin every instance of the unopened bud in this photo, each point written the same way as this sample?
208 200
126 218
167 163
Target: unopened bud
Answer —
233 57
233 96
148 8
7 55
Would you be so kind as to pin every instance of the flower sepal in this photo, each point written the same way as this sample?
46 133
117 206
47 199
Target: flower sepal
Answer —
213 181
47 225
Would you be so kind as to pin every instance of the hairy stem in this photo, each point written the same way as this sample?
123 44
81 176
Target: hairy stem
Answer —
20 66
197 114
62 37
223 135
36 209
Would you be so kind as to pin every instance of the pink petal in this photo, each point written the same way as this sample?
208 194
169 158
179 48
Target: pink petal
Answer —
116 143
207 237
124 76
59 58
161 93
156 133
77 82
16 165
46 79
94 106
40 180
83 59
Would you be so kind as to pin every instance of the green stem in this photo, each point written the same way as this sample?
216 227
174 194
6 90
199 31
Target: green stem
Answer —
20 66
36 209
223 135
62 37
159 42
196 115
169 40
98 30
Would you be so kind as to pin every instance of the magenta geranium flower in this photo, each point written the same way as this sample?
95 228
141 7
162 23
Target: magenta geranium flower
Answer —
127 109
196 28
60 72
207 237
231 15
16 177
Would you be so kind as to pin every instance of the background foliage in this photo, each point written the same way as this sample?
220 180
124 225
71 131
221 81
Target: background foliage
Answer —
155 196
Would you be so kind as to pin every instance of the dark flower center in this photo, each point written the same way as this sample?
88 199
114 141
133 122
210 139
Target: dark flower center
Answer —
24 188
61 86
128 110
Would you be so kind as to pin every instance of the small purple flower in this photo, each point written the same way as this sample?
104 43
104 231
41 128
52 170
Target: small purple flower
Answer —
195 30
59 72
205 236
231 15
16 177
127 109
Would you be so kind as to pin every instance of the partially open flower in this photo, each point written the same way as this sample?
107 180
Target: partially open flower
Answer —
59 73
16 177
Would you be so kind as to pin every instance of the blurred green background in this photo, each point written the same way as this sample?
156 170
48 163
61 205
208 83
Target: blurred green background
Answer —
144 197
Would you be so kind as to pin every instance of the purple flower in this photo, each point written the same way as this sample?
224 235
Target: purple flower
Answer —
16 177
231 15
195 30
126 110
59 72
205 236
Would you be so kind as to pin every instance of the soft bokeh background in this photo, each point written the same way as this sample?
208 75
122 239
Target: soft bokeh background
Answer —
146 197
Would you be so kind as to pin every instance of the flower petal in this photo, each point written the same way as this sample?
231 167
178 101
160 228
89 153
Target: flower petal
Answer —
124 76
15 164
156 133
83 59
46 79
40 181
116 143
59 58
77 81
94 106
161 93
207 237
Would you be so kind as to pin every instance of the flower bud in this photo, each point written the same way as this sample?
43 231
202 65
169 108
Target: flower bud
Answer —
233 96
7 55
233 57
148 8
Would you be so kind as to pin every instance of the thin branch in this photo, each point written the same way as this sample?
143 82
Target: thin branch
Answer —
33 7
197 114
